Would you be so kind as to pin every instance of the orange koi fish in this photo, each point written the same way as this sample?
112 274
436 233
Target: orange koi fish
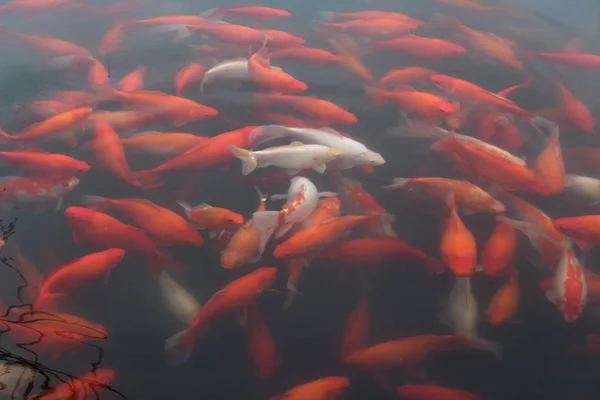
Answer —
549 167
124 120
98 76
458 248
468 92
163 225
490 162
421 104
188 76
167 144
355 334
213 152
112 39
494 48
351 60
401 76
256 13
304 54
539 228
271 79
411 351
133 81
574 110
422 48
585 230
310 240
498 253
244 246
233 298
101 231
73 274
312 107
178 109
433 392
261 345
505 303
376 251
571 59
470 198
282 38
34 191
328 388
329 15
371 28
31 6
212 218
55 125
42 163
49 46
109 153
230 33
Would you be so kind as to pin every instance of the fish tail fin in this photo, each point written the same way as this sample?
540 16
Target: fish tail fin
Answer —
91 200
386 221
487 345
46 301
213 13
377 94
326 15
265 222
248 159
398 183
179 347
526 55
187 207
4 137
293 292
146 178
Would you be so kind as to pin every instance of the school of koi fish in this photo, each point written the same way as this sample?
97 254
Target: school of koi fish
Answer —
491 180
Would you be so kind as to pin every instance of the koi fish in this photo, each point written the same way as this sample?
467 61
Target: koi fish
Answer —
233 298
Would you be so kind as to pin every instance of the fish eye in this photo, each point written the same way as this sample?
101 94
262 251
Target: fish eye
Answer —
230 220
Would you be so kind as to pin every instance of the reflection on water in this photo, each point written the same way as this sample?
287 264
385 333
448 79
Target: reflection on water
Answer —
340 200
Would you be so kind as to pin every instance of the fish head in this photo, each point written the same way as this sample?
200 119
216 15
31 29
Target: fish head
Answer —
334 153
69 184
116 254
230 259
371 158
336 385
77 215
81 166
232 220
297 86
566 226
445 108
498 208
284 250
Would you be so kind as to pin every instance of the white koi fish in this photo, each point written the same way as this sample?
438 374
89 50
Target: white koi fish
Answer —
354 153
302 199
294 157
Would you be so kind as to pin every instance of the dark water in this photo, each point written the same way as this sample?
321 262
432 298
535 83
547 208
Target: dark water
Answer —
542 358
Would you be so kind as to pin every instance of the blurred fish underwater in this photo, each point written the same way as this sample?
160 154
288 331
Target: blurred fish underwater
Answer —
315 201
